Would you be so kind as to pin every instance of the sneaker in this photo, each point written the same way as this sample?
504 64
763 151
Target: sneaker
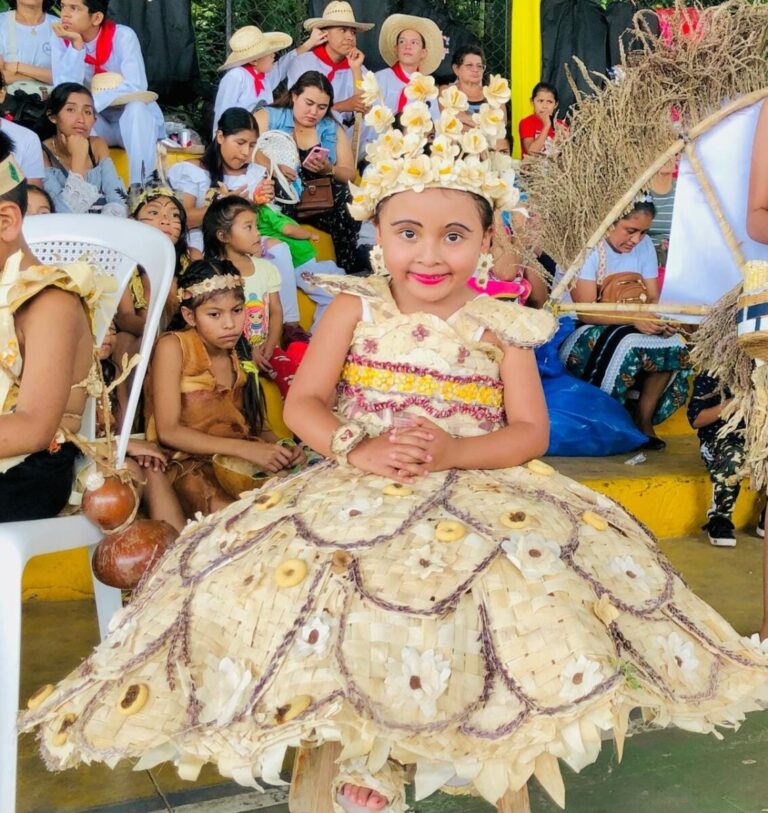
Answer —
760 530
720 532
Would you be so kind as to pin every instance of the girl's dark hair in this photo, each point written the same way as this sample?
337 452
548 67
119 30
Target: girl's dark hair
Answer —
40 191
61 93
483 207
308 79
460 54
181 247
547 88
18 194
647 206
47 5
233 120
220 216
199 271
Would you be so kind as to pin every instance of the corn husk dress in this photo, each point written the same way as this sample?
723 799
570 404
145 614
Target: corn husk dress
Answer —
332 608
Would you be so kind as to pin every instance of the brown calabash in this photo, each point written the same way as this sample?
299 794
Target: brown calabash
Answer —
122 559
111 505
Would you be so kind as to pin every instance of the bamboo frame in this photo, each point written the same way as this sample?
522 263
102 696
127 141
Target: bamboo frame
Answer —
674 149
631 307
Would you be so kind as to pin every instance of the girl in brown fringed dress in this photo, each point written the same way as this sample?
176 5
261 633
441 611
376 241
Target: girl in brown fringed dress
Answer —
203 401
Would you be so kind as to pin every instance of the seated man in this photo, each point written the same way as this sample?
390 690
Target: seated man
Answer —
42 367
337 58
85 44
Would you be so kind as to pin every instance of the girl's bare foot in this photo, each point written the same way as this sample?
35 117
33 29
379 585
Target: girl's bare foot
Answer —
365 797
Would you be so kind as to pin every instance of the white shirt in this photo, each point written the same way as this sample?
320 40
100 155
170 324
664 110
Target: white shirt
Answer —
641 260
391 87
26 149
33 42
191 179
238 89
69 64
343 83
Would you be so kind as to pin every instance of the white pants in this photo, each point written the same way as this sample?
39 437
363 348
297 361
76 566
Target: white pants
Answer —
136 127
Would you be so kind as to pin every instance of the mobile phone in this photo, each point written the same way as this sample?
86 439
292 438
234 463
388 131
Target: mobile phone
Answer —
316 152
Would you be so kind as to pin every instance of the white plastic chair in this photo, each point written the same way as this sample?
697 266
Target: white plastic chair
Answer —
117 245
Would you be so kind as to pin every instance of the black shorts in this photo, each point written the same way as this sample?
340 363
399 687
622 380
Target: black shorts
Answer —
39 486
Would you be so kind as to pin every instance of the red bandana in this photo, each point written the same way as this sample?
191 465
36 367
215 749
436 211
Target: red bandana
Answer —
258 78
397 69
322 54
104 43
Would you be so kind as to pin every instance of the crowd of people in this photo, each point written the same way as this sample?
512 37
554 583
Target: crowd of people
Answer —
92 76
403 328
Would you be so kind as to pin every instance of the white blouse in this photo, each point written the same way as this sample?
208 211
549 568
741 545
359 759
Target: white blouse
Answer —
191 179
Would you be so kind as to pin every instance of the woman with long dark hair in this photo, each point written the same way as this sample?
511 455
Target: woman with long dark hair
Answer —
305 113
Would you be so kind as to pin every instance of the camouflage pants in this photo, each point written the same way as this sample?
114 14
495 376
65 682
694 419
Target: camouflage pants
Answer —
724 459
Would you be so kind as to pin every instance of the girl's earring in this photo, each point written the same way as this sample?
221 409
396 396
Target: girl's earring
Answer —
377 262
483 269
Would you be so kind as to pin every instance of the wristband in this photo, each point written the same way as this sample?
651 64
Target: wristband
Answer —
345 439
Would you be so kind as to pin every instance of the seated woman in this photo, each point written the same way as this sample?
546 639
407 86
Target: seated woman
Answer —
305 114
43 367
632 351
79 174
25 50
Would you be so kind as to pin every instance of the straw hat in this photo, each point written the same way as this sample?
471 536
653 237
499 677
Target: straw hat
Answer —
109 82
337 13
250 43
395 24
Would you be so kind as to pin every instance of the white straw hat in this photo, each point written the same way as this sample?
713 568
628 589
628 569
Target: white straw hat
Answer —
250 43
395 24
109 82
337 13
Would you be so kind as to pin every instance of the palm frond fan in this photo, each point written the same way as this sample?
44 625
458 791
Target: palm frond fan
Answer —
665 96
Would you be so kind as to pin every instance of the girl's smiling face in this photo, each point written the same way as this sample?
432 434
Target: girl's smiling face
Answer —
431 242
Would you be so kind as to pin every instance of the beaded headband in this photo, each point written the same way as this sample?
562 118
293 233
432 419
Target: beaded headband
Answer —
10 175
401 160
221 282
138 196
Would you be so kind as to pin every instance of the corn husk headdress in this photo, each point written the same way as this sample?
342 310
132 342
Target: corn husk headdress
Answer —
403 160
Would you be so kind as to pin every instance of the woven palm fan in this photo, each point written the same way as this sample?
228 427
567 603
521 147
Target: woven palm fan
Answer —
621 136
281 150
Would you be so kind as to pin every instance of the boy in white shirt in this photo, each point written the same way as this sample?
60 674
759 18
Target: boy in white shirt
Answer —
85 44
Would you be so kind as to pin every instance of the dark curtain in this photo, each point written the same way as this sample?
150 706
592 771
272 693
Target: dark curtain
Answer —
619 17
164 28
568 28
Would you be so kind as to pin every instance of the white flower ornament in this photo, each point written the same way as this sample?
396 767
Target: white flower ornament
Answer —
418 679
533 555
497 91
379 117
421 88
416 118
579 678
369 89
454 100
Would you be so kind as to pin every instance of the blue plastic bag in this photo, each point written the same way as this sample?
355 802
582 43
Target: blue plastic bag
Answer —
584 420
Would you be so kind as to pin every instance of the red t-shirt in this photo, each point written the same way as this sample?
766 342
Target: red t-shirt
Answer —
531 127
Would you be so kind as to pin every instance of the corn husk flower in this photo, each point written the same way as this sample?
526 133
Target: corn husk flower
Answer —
445 148
380 118
453 99
449 125
416 118
580 676
416 173
497 91
369 89
387 145
418 679
421 88
490 121
473 142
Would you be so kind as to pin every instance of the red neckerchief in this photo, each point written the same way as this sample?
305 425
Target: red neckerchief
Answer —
397 69
322 54
258 78
104 42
